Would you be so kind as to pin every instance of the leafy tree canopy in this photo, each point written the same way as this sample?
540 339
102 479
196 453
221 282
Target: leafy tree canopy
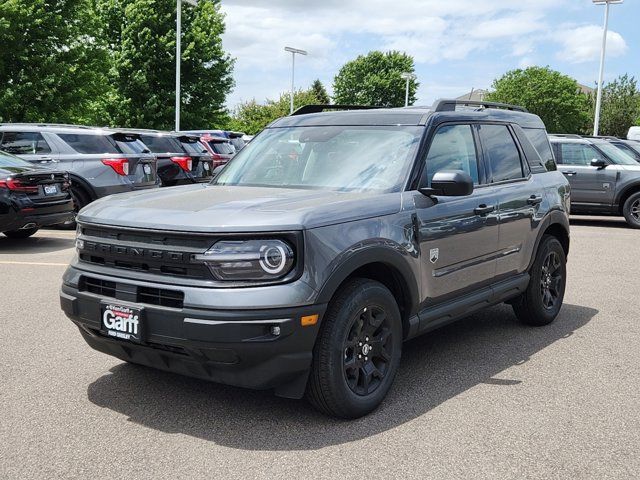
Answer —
620 106
554 97
51 61
375 79
320 92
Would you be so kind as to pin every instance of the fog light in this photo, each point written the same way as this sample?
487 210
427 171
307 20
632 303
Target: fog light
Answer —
275 331
79 244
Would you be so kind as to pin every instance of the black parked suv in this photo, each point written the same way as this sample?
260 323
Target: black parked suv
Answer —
306 273
182 159
31 197
605 180
100 161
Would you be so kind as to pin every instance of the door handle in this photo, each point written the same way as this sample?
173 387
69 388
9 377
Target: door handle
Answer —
483 209
47 160
534 200
570 173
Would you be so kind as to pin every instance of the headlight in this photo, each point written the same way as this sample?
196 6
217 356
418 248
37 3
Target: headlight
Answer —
248 260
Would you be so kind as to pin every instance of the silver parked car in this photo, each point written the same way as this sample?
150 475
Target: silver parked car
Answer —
100 161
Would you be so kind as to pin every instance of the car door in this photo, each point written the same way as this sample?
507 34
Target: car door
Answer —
30 146
520 197
590 186
458 236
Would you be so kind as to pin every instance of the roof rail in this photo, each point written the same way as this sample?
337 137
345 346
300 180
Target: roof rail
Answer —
566 135
603 137
450 105
41 124
321 108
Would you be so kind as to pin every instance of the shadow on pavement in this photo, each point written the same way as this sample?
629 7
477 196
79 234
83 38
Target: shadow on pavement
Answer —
606 222
39 244
434 368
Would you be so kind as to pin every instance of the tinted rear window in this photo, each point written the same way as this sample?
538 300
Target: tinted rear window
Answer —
223 148
90 144
161 144
7 160
194 147
540 141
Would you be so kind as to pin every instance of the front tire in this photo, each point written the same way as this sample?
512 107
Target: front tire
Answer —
631 210
24 233
541 302
357 352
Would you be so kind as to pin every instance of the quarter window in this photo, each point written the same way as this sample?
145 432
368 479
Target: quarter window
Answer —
25 143
453 148
578 154
502 153
89 144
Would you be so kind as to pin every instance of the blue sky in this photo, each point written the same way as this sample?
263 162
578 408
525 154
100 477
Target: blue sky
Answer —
457 44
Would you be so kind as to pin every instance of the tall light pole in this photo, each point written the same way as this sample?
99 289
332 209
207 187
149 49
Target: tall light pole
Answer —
408 77
293 69
179 54
606 3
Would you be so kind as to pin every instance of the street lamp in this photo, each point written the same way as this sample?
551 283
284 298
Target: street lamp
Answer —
408 77
179 54
596 123
293 68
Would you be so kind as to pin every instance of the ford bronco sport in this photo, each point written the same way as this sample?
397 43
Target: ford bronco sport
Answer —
306 273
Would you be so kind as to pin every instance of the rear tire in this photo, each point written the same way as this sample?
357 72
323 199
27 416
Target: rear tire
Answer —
541 302
631 210
24 233
357 353
80 199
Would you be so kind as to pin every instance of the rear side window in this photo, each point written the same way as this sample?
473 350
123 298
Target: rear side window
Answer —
502 153
24 143
162 144
539 139
578 154
453 148
89 144
223 148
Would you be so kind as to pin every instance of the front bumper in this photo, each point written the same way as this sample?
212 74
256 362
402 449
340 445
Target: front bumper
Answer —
226 346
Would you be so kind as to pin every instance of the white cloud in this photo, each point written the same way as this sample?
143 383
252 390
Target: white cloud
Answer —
335 31
583 44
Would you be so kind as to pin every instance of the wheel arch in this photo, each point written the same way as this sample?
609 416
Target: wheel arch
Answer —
625 194
84 185
384 265
557 225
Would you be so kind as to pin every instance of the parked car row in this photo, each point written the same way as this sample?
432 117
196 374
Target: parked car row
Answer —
104 161
604 173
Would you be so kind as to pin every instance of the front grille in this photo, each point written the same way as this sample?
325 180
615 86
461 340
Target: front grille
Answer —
132 293
159 253
162 297
99 287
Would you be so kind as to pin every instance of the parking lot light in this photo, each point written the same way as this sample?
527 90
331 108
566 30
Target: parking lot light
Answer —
179 54
606 3
293 69
408 77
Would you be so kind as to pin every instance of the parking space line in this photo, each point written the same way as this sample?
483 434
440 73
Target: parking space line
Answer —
37 264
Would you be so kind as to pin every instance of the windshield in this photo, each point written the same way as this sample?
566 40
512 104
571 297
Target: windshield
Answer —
345 158
7 160
615 154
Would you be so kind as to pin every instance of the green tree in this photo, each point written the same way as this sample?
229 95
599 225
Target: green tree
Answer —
142 39
620 106
251 117
554 97
320 92
51 61
375 79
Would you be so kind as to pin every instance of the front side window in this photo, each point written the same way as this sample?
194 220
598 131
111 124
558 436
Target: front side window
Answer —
453 148
578 154
342 158
24 143
502 153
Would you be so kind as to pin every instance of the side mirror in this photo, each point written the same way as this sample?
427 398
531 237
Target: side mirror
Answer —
599 163
450 183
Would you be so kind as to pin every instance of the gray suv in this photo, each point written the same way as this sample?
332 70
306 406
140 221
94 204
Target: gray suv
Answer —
306 273
605 180
100 162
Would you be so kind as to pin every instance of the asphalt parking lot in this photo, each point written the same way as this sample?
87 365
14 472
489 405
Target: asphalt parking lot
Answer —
483 398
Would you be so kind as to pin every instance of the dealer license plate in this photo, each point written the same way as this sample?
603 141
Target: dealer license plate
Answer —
50 189
122 322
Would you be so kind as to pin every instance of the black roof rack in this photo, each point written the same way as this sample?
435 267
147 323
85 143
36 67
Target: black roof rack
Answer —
565 135
450 105
603 137
322 108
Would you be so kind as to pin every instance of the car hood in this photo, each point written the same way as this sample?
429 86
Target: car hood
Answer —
215 208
